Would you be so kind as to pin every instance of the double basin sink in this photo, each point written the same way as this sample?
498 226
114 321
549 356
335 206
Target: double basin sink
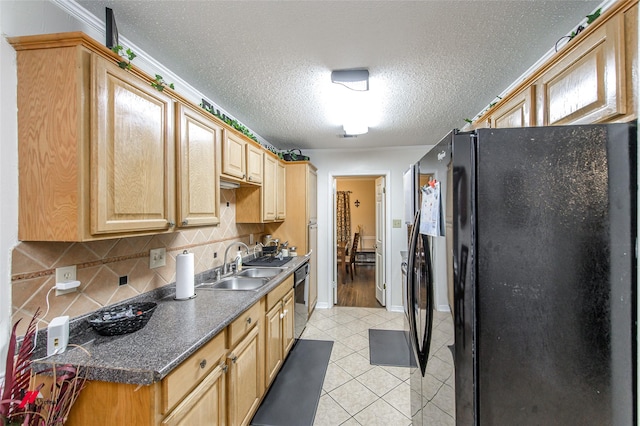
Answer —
248 279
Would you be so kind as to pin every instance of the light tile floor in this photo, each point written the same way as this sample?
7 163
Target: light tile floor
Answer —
358 393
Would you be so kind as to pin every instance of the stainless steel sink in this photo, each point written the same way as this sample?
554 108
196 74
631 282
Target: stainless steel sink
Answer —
235 283
260 272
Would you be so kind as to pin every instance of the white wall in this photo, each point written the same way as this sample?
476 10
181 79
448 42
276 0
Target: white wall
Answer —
349 162
17 18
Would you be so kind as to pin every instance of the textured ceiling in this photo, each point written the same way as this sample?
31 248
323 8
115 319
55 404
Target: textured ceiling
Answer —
268 63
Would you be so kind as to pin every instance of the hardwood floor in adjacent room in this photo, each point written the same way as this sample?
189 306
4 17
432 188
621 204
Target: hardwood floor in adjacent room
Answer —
359 292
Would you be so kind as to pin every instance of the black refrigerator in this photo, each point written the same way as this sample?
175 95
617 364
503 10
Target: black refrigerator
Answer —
536 247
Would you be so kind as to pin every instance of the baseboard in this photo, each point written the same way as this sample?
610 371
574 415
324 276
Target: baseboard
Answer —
443 308
323 305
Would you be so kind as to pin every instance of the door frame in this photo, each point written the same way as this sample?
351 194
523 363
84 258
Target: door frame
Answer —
387 230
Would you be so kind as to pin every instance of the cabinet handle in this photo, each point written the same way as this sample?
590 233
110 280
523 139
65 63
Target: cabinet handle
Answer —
282 315
244 175
185 222
225 368
249 178
286 311
248 320
171 224
203 363
233 358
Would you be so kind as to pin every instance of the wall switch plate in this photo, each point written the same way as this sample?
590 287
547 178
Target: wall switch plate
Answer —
63 275
157 258
397 223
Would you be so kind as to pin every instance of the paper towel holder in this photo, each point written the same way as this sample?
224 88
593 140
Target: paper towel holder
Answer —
191 284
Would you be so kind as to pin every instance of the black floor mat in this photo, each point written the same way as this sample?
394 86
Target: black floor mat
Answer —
293 397
390 348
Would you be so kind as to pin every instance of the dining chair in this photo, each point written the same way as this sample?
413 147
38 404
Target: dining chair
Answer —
352 254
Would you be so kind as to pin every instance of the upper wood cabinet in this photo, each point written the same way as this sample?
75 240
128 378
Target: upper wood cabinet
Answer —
588 84
590 79
269 188
518 112
95 145
281 192
198 167
255 155
241 159
263 204
132 153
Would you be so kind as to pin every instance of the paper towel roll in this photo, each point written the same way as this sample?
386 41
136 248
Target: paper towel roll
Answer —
184 276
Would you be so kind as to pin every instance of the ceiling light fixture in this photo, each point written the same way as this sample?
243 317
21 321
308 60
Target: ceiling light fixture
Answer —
357 79
353 102
355 128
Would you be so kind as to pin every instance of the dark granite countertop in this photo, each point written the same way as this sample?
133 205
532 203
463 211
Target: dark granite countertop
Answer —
176 330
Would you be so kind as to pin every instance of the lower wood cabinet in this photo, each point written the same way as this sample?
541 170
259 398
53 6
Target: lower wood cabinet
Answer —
279 328
245 379
222 383
205 405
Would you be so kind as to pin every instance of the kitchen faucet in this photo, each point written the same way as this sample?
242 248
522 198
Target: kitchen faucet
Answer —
225 267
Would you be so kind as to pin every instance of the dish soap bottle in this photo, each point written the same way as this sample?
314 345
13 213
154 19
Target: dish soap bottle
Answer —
238 261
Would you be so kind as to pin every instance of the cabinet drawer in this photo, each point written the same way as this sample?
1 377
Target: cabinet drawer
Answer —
244 323
189 374
278 293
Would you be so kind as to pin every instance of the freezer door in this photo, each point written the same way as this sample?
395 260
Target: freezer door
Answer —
463 193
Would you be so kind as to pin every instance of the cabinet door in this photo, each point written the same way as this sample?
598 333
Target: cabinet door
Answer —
312 195
244 379
288 331
269 188
254 163
588 84
281 192
519 111
273 341
198 165
234 156
205 405
313 267
132 154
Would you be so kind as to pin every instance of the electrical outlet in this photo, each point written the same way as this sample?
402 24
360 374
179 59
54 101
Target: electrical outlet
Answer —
123 280
397 223
64 275
157 258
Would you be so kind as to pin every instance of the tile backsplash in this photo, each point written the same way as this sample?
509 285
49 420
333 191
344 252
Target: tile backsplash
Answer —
100 264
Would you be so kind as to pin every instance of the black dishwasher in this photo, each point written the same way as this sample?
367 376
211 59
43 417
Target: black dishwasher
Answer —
301 295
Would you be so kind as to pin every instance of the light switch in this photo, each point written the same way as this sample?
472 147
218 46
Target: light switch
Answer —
397 223
157 258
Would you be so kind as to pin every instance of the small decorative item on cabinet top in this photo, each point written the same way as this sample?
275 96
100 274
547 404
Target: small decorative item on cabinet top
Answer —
291 155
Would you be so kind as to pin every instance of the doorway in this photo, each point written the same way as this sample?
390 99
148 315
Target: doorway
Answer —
358 235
